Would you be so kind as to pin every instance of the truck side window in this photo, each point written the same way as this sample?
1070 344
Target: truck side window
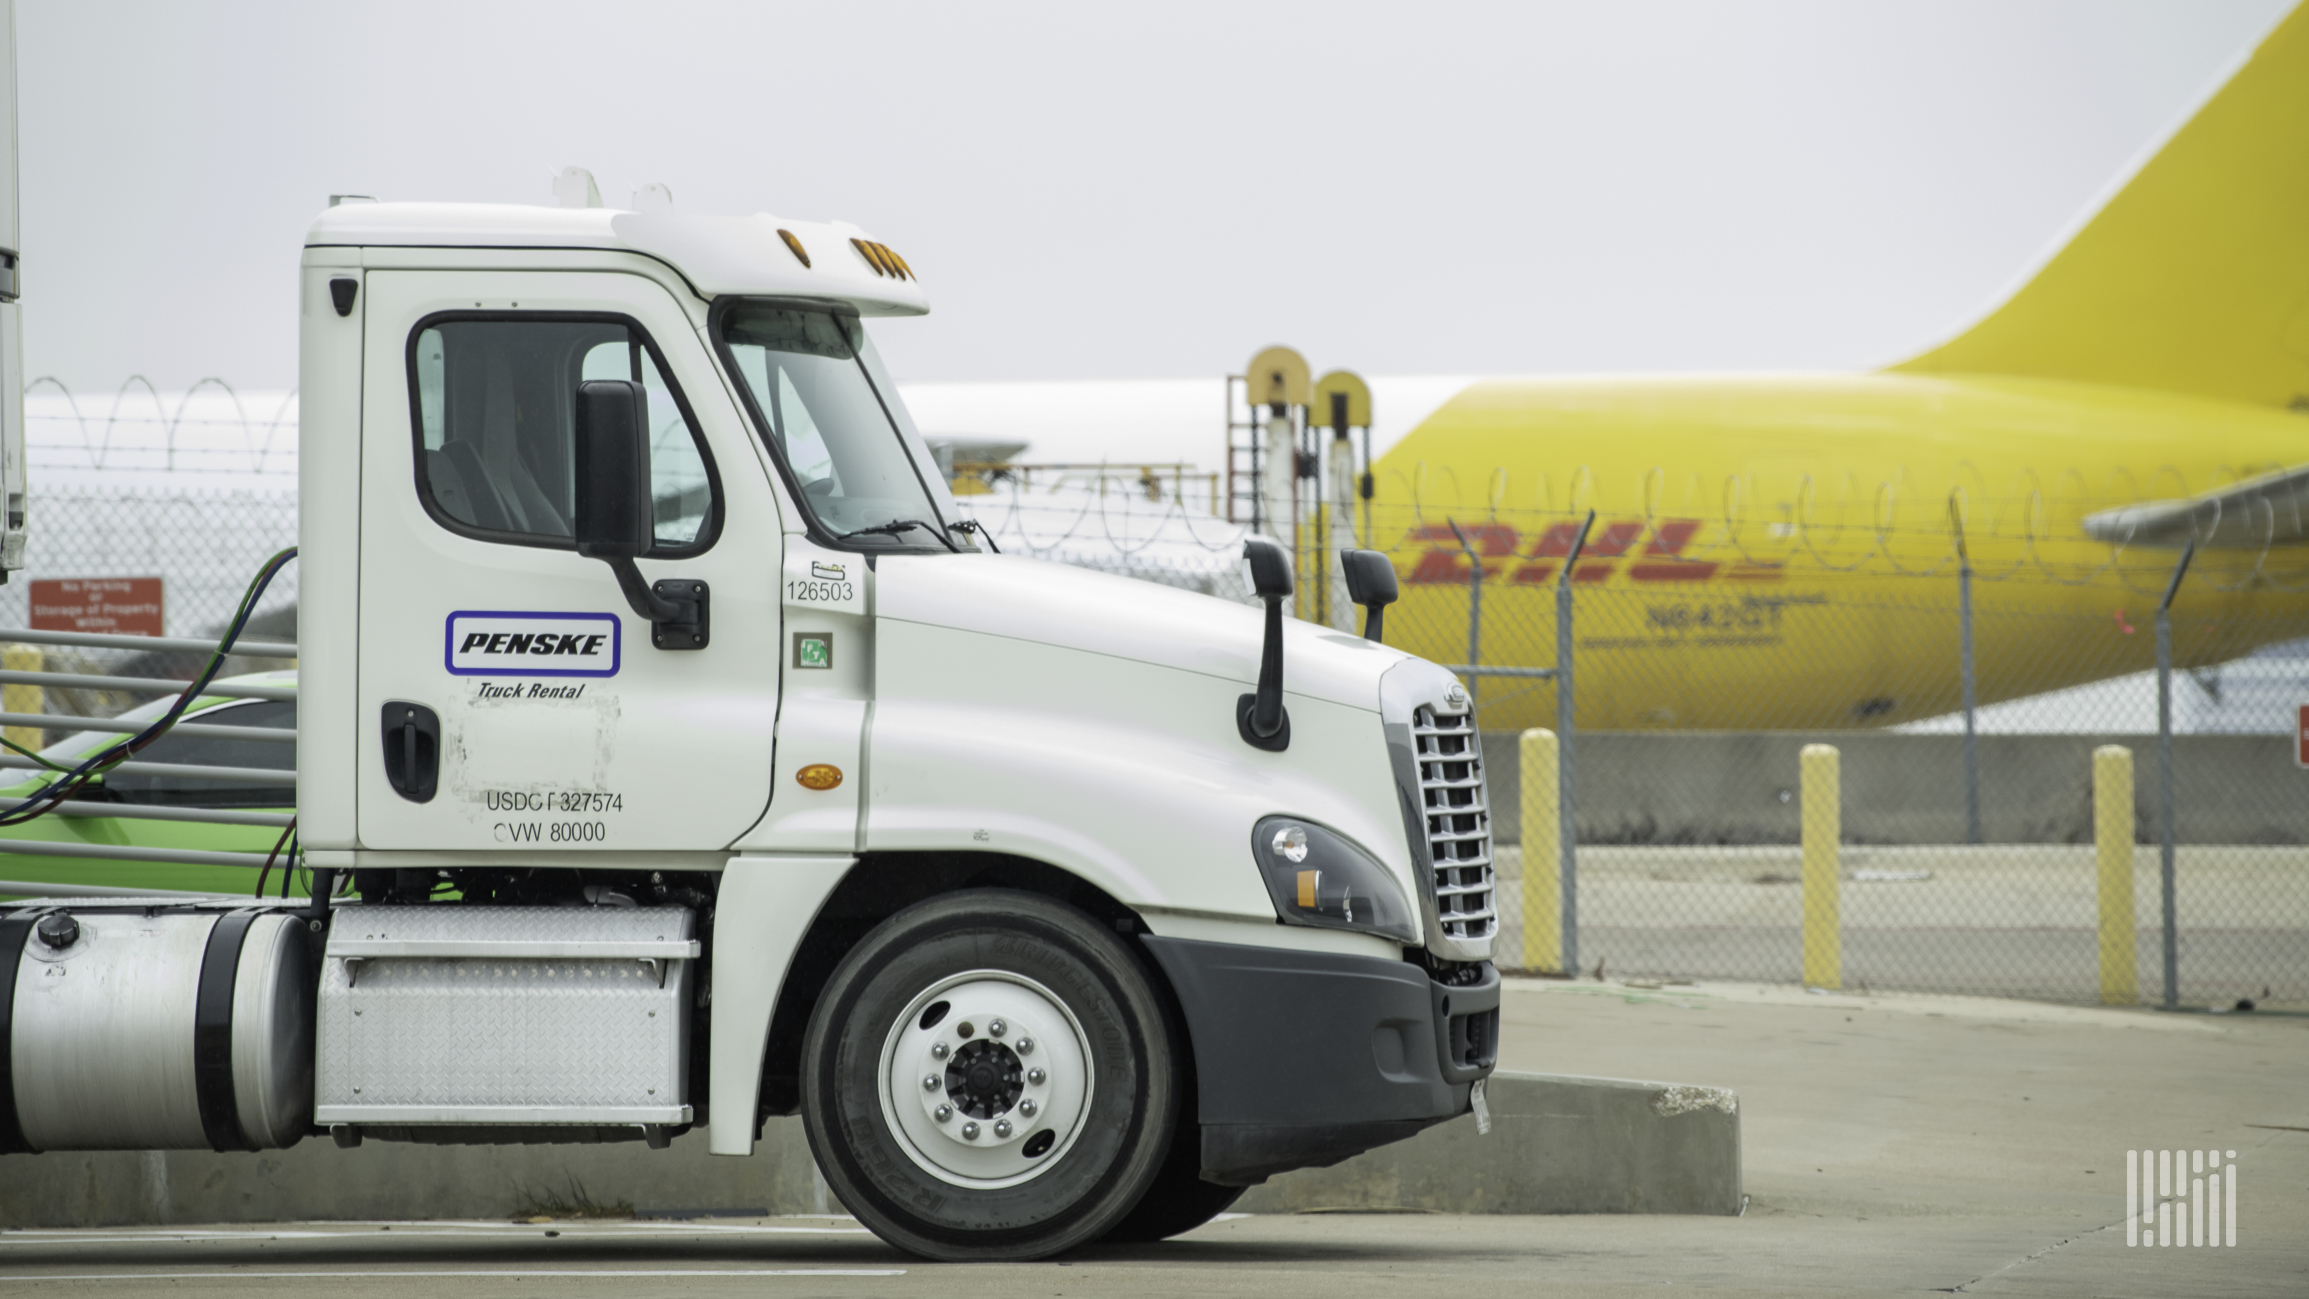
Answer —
495 403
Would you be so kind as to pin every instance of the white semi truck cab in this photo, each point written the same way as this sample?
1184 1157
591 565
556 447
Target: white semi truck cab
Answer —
691 762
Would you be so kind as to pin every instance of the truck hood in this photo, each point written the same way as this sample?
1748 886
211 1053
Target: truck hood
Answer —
1145 622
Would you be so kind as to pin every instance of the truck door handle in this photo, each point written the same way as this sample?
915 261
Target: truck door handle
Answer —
412 750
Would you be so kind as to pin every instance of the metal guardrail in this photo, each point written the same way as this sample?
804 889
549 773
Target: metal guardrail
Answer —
51 889
263 649
169 812
200 730
134 852
141 685
181 770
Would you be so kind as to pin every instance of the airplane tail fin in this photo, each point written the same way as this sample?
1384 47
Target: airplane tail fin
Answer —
2195 276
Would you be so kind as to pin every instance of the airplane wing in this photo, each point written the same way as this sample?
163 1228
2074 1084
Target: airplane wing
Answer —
2271 510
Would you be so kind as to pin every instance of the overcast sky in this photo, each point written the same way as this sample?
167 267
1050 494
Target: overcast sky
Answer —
1094 191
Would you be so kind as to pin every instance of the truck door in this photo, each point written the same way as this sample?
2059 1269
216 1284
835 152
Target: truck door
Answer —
510 697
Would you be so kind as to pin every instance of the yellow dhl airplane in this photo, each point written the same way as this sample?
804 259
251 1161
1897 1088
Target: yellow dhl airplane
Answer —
1783 551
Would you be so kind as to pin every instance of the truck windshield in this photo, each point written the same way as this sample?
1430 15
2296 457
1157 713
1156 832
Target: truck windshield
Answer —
810 376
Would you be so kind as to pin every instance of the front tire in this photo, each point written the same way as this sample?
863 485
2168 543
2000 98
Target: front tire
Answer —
989 1075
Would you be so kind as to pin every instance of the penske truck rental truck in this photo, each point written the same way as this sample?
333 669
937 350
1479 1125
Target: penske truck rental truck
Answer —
670 755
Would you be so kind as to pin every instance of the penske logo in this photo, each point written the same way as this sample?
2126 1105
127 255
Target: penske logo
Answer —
503 644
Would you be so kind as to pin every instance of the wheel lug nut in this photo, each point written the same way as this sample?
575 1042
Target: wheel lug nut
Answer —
1027 1107
1035 1076
932 1083
943 1113
996 1028
1024 1046
1002 1127
939 1051
964 1029
969 1132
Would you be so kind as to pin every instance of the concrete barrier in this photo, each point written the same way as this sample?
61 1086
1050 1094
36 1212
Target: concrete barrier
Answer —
1557 1145
396 1181
1706 787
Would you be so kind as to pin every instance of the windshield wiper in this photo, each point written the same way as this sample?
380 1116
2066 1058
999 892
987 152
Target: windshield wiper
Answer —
973 528
896 526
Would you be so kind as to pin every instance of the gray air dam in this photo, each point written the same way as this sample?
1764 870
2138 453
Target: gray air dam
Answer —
642 663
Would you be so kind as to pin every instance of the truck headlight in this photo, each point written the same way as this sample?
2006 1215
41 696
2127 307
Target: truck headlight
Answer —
1319 877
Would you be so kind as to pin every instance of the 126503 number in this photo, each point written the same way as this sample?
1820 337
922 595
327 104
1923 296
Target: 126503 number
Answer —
807 591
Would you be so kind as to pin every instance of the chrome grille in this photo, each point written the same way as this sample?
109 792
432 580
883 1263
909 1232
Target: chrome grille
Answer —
1451 791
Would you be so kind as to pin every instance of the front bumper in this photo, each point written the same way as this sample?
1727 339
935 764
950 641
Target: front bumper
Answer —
1303 1059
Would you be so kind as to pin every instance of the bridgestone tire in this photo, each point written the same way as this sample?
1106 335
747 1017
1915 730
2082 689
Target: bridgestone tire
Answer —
1116 1146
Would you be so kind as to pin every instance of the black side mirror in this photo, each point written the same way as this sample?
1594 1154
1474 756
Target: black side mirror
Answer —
1260 718
614 518
1370 583
1270 568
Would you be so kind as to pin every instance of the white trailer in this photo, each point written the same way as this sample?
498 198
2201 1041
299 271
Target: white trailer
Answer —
690 765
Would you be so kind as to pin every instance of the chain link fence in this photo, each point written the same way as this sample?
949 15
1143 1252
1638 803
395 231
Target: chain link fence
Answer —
1116 521
1967 854
204 543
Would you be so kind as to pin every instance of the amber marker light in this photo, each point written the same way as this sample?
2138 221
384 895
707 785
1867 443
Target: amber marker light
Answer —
794 246
819 776
1307 882
883 260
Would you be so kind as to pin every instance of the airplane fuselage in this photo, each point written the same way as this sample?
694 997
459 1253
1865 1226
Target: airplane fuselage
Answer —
1783 551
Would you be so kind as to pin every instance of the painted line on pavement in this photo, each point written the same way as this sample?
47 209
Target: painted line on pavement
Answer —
19 1240
387 1275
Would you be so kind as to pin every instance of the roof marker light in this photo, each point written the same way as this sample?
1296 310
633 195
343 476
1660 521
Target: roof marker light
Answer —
794 246
883 260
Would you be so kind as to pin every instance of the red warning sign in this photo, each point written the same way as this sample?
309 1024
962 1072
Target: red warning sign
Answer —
119 606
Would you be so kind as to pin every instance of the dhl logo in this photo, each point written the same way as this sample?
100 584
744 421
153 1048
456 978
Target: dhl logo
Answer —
1611 548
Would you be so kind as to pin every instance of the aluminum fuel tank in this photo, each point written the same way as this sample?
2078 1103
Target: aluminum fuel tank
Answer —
155 1027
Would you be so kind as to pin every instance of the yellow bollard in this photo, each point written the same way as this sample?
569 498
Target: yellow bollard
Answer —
1823 813
2113 846
1542 854
22 699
